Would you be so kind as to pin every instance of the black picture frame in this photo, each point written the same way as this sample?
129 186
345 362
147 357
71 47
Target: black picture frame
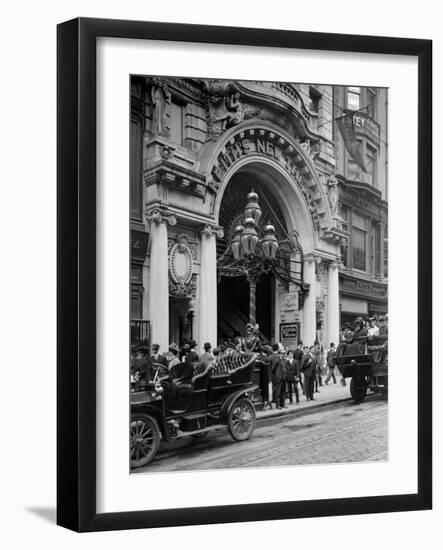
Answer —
76 294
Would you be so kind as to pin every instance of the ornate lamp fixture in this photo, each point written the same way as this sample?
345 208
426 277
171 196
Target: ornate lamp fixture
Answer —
254 256
253 209
269 242
249 237
235 243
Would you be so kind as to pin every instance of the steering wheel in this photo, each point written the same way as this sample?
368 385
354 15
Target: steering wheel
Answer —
161 371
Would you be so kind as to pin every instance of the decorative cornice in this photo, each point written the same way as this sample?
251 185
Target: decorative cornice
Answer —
170 174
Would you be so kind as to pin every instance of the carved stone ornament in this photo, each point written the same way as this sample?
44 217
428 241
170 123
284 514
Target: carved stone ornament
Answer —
184 290
289 302
225 108
180 263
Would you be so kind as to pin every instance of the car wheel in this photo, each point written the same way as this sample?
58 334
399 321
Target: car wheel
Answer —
145 439
241 419
358 388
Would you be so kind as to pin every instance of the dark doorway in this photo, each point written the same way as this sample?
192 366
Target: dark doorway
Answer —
233 306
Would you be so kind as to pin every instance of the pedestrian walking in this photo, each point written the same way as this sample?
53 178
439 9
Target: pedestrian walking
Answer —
330 363
265 375
308 370
278 376
317 353
292 373
298 357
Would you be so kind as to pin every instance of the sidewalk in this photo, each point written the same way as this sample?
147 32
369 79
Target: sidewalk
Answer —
330 394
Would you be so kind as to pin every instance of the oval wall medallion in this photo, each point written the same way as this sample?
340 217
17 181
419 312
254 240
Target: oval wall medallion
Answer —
180 263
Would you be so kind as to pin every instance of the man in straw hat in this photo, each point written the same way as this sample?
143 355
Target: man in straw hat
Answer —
173 355
207 355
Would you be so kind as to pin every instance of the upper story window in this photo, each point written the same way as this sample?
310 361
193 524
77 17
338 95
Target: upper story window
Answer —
353 98
136 167
375 248
344 250
359 242
354 170
315 97
177 122
371 165
371 103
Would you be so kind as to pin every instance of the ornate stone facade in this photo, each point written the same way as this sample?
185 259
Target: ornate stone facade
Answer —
198 138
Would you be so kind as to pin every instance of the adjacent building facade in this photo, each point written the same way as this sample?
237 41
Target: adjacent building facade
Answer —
198 148
363 202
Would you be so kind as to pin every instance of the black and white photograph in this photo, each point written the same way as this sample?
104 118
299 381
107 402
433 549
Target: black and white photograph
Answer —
258 274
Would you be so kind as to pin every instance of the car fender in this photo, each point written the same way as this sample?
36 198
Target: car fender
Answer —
229 401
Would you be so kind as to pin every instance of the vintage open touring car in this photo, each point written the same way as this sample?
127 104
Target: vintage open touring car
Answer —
216 397
365 361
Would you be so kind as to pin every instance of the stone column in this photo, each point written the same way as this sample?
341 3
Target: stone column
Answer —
208 285
159 277
309 309
333 304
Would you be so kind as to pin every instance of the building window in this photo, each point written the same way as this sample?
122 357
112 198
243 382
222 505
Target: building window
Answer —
359 249
177 121
354 170
371 165
344 249
136 291
385 255
136 161
359 239
370 103
353 98
376 249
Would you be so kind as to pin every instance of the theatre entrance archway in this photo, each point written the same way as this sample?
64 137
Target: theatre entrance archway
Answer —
233 287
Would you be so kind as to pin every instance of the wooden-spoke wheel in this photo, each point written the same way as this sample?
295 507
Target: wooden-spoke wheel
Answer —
145 439
359 387
241 419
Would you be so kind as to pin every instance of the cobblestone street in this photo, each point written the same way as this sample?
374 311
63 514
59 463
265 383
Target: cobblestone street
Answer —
340 432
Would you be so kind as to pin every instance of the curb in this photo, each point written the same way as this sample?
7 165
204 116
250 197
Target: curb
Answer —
290 412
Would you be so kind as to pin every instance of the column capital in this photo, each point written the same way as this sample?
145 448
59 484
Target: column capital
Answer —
335 264
159 215
312 257
210 230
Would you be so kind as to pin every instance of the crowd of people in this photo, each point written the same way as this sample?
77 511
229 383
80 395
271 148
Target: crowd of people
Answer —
285 374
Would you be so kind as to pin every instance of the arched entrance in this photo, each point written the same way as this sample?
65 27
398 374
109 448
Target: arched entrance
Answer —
283 172
233 287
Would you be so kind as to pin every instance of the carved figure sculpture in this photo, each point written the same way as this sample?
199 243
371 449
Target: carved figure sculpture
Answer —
160 98
236 111
333 195
225 109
